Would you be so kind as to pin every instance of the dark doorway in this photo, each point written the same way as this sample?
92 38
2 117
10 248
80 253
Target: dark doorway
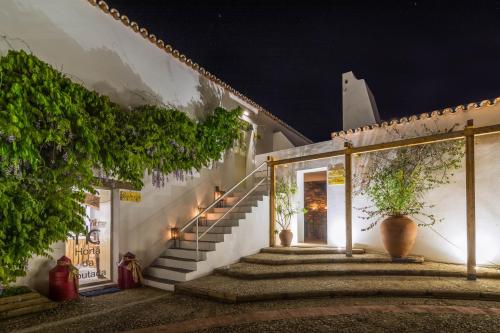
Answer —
315 201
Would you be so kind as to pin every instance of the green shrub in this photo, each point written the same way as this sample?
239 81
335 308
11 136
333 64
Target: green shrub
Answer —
55 134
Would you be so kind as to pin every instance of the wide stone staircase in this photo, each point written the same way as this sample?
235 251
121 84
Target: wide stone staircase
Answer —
183 262
298 272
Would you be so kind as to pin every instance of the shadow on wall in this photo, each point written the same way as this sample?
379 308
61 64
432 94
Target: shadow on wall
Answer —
105 69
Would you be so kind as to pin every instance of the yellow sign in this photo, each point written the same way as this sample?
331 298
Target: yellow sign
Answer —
130 196
336 175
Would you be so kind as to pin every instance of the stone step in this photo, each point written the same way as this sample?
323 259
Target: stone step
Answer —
185 253
257 271
296 259
238 209
202 245
189 264
216 230
229 289
309 250
168 273
229 216
159 283
209 237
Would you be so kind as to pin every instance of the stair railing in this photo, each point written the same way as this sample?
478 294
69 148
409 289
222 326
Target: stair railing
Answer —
219 199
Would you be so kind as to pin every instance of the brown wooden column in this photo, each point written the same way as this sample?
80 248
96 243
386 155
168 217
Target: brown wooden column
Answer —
348 200
272 206
471 200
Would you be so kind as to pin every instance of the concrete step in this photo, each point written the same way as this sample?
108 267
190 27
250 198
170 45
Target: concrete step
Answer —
297 259
309 250
169 273
223 223
258 192
189 264
249 201
202 245
185 254
229 216
209 237
216 230
238 209
159 283
229 289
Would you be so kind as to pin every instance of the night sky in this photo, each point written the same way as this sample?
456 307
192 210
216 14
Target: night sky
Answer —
416 56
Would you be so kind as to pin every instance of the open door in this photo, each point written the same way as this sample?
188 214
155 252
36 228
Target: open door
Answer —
315 201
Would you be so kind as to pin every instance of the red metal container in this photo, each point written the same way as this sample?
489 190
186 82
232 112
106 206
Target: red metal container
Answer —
63 280
129 272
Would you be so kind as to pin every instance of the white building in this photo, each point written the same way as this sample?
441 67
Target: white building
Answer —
106 52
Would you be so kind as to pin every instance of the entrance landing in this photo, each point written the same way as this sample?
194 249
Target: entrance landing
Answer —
278 273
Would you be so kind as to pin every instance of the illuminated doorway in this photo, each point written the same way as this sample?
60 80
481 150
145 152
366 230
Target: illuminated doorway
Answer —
90 251
315 201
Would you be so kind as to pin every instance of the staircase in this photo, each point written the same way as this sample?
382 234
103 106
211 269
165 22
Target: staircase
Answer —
183 262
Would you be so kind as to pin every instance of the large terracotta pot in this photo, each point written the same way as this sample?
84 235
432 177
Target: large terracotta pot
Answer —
398 235
286 237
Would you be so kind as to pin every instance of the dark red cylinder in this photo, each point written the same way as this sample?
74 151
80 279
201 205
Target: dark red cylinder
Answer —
63 281
126 272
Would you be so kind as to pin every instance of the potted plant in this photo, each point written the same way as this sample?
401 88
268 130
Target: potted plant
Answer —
396 180
286 188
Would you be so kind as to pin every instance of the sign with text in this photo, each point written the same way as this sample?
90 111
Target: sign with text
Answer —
130 196
336 175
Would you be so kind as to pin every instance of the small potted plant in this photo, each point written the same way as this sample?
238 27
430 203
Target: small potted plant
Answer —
286 188
396 180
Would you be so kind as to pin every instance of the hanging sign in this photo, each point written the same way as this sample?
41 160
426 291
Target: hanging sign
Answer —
336 175
130 196
92 200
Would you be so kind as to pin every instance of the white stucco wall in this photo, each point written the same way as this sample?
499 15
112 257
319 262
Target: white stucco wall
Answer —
95 50
281 142
445 241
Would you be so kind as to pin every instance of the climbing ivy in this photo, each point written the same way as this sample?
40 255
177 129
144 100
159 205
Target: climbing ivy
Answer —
55 135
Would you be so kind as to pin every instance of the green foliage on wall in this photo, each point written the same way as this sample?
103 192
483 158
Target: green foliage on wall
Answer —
55 134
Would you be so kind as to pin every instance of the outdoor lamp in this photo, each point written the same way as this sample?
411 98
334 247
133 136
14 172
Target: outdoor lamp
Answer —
217 194
203 217
174 234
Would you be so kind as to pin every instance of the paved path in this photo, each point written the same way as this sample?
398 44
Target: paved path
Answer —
311 312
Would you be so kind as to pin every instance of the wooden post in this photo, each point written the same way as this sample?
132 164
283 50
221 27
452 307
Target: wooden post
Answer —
471 200
348 199
272 197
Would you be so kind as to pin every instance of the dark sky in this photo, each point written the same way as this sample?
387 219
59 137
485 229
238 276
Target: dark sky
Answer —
416 56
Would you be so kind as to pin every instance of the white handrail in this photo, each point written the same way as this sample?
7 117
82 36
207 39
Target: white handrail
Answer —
198 236
232 207
221 197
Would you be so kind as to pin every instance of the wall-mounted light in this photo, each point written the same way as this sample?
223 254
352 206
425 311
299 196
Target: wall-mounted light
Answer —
203 217
174 234
217 194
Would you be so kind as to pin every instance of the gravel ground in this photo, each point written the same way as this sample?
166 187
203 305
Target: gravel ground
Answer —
131 309
372 323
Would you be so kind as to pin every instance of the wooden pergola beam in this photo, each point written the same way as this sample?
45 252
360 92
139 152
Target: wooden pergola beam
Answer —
348 199
470 200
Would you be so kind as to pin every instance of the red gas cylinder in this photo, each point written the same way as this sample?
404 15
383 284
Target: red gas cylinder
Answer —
63 280
129 272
